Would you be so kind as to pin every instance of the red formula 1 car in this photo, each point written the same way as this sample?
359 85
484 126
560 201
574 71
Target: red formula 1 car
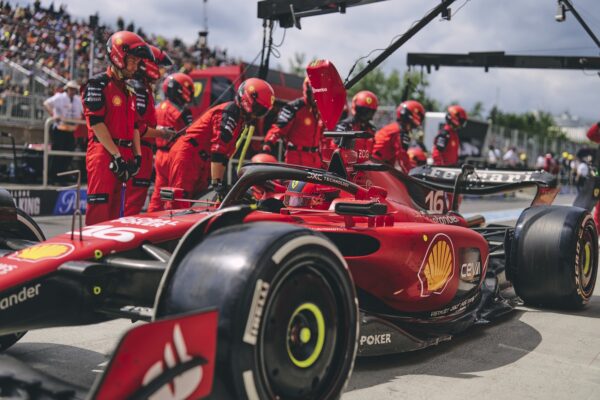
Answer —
275 298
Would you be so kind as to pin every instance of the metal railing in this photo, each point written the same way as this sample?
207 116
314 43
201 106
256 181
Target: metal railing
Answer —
49 152
22 108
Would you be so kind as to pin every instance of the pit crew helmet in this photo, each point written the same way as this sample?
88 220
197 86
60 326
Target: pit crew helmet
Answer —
309 195
151 69
456 116
123 43
255 97
178 88
410 112
364 105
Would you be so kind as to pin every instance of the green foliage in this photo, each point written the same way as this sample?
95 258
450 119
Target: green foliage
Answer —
298 64
394 88
536 123
476 111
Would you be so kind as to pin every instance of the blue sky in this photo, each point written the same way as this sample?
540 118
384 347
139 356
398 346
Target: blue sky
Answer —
514 26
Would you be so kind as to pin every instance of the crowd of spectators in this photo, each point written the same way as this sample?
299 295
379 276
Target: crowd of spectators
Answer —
36 37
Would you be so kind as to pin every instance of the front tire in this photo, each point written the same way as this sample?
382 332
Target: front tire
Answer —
287 310
555 256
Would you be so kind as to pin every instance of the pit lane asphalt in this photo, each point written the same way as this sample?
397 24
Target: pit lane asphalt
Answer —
529 354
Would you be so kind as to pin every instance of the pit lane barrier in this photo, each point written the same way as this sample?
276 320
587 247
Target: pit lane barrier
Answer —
49 152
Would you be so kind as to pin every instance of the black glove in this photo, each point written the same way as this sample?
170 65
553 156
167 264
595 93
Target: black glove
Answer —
135 165
220 188
119 167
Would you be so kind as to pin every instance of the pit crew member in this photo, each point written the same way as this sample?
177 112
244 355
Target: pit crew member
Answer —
446 144
203 152
113 138
173 113
392 141
300 127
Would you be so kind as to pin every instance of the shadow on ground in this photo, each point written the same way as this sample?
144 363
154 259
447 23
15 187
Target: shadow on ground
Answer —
66 363
478 349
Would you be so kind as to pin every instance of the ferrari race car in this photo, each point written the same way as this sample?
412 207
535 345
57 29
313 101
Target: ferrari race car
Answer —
273 292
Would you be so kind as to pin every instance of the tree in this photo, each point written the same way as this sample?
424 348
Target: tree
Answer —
476 111
394 88
298 64
538 123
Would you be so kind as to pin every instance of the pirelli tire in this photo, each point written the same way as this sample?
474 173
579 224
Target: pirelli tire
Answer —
288 314
26 228
554 257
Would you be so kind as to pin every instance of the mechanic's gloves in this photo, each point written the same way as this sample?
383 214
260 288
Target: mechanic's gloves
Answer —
135 165
120 168
268 148
220 188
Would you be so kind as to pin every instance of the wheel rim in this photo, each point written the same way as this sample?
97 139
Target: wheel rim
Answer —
300 343
587 265
305 335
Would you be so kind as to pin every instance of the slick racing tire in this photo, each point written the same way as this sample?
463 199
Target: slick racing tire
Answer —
288 315
28 229
554 258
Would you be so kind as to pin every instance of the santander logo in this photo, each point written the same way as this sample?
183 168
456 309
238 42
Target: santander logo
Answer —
184 384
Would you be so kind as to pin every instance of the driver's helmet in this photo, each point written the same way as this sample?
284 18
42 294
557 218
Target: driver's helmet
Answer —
309 195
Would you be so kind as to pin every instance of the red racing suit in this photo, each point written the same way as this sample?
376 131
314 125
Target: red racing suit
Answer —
301 129
445 147
363 147
106 99
210 138
137 187
391 143
169 115
593 134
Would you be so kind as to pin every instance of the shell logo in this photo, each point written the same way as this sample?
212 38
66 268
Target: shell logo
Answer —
307 121
43 251
272 100
438 266
119 41
163 106
116 100
251 89
596 192
369 100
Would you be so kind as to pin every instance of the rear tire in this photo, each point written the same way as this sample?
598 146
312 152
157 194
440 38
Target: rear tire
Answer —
288 316
555 256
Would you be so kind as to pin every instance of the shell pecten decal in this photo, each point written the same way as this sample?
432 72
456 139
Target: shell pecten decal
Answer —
43 251
438 266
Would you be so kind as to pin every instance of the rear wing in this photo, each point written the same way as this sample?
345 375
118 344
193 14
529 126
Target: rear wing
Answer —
484 182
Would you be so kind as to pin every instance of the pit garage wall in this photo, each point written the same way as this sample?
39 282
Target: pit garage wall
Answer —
43 202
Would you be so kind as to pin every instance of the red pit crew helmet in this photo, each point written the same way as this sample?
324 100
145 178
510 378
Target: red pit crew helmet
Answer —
255 97
151 69
411 112
309 195
178 88
456 116
123 43
364 105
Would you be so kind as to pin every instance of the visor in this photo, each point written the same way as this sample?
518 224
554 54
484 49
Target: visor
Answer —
142 51
258 110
